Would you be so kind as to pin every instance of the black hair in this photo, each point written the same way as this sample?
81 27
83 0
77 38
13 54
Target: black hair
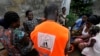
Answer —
98 19
27 12
94 30
93 19
50 10
11 17
63 8
86 14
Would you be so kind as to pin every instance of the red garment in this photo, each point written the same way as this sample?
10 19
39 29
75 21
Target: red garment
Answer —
6 40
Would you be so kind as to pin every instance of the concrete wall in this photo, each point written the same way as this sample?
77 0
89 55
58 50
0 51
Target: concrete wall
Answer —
96 7
37 6
21 6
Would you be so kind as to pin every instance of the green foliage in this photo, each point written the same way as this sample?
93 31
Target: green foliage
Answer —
81 6
72 18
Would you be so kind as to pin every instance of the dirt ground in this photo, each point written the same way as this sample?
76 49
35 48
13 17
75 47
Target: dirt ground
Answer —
76 52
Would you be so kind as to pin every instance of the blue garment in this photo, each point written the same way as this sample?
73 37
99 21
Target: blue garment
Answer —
78 24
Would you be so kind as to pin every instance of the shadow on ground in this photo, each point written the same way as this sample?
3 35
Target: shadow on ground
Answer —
76 52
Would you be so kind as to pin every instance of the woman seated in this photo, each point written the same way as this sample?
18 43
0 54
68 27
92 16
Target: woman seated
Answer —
93 46
82 40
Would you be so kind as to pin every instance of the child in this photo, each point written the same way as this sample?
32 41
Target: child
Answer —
30 24
93 48
63 20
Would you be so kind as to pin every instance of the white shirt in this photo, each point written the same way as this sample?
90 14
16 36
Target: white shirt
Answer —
98 25
84 33
95 50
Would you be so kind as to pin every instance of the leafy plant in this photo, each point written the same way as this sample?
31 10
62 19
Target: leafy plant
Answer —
81 6
72 18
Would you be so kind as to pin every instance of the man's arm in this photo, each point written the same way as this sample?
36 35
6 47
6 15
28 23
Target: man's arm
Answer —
67 44
25 27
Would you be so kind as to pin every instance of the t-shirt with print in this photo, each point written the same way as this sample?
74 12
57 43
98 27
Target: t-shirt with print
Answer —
50 38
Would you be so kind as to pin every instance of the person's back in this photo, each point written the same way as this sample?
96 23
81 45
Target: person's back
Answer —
51 40
49 37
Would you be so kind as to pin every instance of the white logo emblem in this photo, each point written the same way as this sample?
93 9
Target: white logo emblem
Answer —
46 41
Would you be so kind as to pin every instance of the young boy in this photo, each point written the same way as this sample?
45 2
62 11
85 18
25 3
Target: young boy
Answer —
30 24
63 20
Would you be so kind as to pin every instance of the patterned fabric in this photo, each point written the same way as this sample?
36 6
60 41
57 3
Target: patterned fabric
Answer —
30 25
6 40
15 41
21 41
